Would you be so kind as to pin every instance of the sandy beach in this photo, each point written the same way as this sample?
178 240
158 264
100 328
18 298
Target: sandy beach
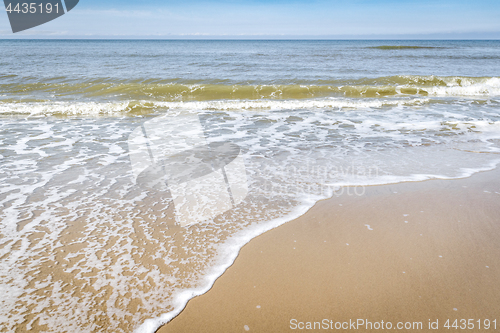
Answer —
408 253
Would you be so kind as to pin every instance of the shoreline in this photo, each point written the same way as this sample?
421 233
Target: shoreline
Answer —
309 257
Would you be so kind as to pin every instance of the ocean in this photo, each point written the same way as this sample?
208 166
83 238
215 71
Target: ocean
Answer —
133 171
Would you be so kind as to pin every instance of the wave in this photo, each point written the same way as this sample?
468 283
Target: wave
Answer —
147 107
106 89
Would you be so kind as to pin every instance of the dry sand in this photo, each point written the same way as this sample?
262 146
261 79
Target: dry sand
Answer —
410 252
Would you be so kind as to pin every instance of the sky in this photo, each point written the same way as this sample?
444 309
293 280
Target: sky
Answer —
260 19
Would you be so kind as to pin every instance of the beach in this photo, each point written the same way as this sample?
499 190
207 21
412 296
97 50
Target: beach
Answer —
403 253
264 182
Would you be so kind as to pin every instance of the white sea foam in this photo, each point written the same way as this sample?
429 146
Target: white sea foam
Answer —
63 108
276 105
467 87
121 108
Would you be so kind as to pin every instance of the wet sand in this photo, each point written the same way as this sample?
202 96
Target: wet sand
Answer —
410 252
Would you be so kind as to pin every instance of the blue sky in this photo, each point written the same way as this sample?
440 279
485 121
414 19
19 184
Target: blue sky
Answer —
272 19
